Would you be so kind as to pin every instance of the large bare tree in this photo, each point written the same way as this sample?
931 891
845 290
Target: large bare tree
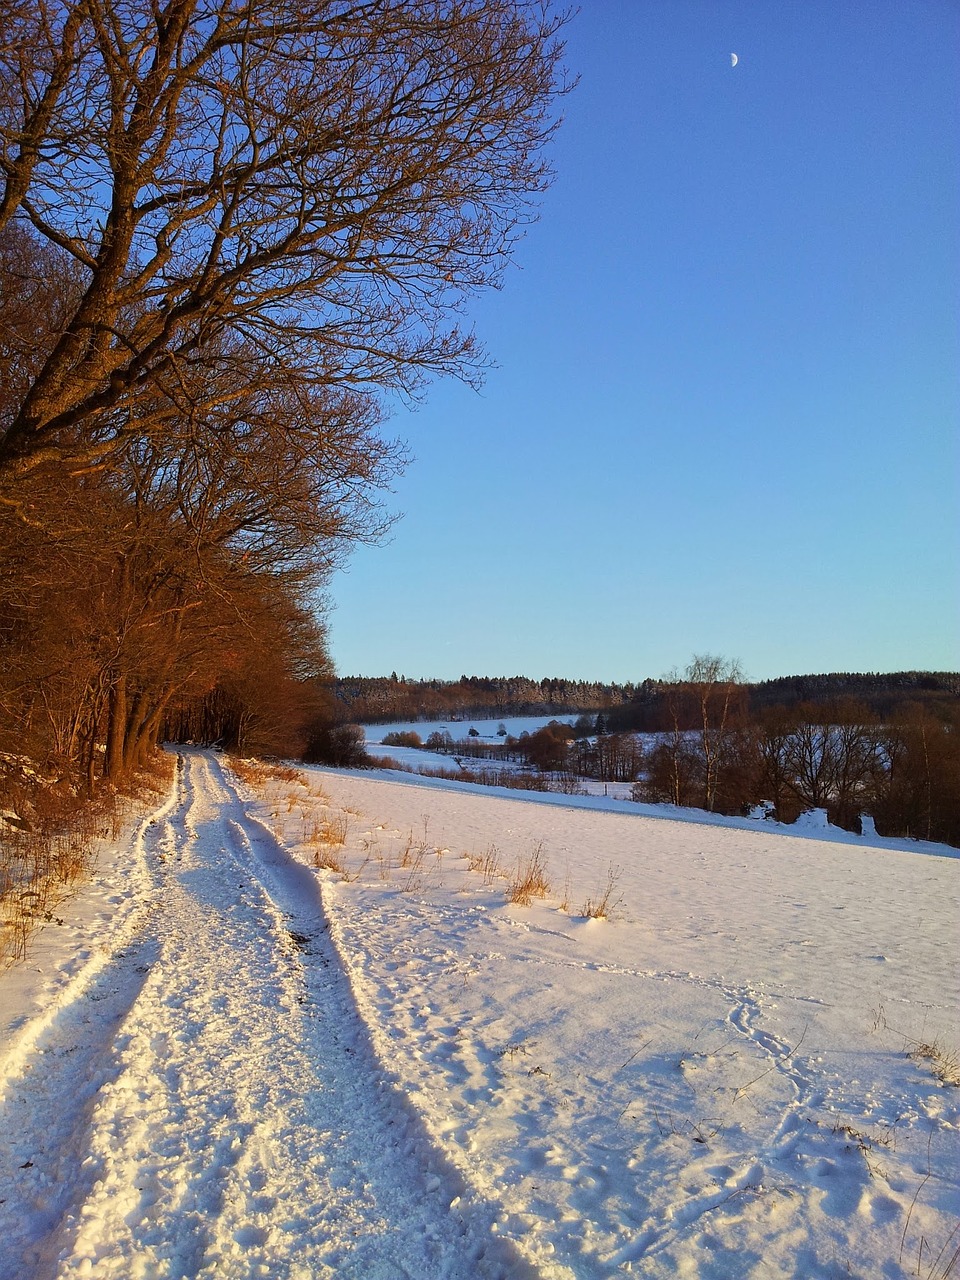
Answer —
322 181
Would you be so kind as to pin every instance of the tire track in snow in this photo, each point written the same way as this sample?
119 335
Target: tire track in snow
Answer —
231 1119
56 1065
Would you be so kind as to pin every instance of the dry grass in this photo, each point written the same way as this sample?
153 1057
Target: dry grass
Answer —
257 773
253 773
565 894
486 864
328 835
416 872
327 859
944 1063
330 829
944 1264
48 841
602 905
412 852
530 879
324 833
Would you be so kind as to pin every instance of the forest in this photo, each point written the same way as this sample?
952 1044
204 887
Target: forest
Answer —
229 234
641 706
373 699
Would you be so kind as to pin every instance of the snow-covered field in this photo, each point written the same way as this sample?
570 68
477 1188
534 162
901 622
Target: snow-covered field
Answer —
486 729
229 1063
418 760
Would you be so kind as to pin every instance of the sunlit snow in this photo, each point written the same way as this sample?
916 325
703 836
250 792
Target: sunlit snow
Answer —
229 1062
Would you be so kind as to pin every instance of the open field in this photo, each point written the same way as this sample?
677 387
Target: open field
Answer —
310 1023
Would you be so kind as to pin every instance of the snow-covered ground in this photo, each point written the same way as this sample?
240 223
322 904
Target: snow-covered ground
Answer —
231 1063
487 730
419 760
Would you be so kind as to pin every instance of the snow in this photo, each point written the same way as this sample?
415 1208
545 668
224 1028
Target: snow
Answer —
228 1062
487 730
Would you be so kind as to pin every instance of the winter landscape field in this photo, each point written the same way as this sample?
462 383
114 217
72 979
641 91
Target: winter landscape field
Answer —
308 1023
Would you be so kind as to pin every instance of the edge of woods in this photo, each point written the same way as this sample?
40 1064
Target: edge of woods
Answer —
51 834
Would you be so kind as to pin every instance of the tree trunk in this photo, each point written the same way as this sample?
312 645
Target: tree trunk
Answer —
116 728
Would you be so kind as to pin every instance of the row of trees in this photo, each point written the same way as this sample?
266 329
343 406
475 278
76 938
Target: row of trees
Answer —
175 588
226 228
652 707
714 751
641 707
373 699
904 772
719 753
556 747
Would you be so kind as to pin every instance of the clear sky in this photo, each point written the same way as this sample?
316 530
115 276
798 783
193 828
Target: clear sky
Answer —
725 413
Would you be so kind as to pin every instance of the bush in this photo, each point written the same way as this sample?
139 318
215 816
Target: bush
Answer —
338 744
404 738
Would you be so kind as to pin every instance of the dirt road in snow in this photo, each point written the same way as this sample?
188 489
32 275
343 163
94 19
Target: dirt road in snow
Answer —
204 1101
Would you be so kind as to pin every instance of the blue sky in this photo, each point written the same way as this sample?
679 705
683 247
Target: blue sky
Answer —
724 416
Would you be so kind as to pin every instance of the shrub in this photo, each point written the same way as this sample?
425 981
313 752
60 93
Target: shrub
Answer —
403 738
340 745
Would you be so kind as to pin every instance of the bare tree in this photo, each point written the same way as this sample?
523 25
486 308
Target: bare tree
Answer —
773 737
856 746
322 181
917 791
811 758
713 682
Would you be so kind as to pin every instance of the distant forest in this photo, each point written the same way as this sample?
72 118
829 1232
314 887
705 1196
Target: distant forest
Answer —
381 699
887 746
643 707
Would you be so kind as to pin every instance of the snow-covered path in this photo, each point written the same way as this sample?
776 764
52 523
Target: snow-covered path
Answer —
215 1107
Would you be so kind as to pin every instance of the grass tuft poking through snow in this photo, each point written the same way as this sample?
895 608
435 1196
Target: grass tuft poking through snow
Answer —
487 864
944 1063
530 879
606 900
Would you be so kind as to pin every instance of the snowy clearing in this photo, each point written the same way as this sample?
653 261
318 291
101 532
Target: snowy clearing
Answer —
487 730
235 1063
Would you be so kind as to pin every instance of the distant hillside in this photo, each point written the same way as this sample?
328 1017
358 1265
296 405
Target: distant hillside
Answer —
882 693
366 699
371 699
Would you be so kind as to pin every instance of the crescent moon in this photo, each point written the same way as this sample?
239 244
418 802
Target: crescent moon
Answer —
734 59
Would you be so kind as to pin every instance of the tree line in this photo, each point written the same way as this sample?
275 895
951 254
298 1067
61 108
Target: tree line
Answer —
903 772
638 706
726 746
556 747
381 699
227 229
651 708
711 747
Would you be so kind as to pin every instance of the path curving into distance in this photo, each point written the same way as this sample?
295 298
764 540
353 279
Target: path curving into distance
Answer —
214 1107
